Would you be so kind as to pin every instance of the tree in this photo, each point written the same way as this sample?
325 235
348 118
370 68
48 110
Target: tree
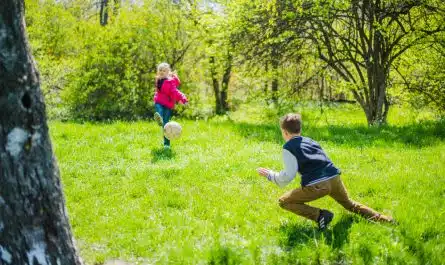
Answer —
34 227
212 20
262 35
421 72
361 39
103 12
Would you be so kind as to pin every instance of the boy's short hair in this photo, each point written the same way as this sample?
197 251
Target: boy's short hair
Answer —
291 122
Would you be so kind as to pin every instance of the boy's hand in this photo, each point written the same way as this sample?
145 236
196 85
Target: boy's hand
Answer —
263 171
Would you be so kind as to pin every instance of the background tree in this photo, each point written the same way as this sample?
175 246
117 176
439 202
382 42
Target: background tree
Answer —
34 227
361 40
263 40
422 74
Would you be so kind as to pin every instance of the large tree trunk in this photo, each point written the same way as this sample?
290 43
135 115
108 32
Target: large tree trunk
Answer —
34 227
376 109
377 72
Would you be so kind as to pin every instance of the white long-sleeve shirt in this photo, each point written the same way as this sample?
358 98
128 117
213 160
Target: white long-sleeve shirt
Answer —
289 172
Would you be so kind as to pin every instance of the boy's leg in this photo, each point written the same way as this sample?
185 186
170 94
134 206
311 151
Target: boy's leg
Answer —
295 200
339 193
166 118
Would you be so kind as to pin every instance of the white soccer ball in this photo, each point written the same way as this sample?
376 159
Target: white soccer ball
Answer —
172 130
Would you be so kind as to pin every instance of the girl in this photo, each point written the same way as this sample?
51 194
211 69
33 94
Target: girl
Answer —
166 96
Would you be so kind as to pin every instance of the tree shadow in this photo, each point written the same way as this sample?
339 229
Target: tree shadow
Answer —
298 234
160 154
416 135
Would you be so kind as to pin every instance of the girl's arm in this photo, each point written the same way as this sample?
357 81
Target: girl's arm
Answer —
175 93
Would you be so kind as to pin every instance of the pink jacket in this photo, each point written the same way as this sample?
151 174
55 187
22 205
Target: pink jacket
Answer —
169 93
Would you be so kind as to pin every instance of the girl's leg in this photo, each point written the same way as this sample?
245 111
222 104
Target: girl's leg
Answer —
167 113
158 114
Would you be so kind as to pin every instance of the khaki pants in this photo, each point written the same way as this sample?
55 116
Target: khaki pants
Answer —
295 200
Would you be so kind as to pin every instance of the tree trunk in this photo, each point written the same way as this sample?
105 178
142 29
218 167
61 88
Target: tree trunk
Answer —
225 83
34 227
275 63
266 82
376 108
218 105
104 12
274 85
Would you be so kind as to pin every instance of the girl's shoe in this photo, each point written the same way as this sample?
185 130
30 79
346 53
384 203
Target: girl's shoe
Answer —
158 119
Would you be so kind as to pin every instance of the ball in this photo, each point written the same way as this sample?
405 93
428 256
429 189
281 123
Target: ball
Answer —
172 130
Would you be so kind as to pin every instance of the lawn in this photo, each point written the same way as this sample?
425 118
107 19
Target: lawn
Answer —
202 202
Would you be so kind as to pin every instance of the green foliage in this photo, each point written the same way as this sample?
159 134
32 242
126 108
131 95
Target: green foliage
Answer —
420 75
114 80
258 49
53 35
95 73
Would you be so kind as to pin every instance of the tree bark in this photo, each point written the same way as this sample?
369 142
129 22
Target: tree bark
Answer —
34 227
225 82
103 12
215 83
274 85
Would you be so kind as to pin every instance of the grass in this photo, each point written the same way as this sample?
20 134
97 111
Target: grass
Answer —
203 203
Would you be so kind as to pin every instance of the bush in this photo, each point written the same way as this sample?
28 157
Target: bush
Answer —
115 77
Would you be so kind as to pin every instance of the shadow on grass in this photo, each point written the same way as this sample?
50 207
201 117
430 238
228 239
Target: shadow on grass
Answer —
417 135
297 234
160 154
221 255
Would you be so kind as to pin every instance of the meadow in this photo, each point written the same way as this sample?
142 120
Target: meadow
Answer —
202 202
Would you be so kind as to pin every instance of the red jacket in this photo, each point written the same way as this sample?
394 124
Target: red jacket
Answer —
169 93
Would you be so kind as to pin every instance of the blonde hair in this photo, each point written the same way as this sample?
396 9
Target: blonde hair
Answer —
163 66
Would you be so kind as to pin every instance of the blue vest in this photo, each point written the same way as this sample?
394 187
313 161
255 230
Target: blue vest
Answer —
313 163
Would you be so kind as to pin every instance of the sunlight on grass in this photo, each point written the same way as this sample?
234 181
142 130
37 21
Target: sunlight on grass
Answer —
202 203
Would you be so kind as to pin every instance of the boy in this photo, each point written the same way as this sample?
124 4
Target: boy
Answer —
319 177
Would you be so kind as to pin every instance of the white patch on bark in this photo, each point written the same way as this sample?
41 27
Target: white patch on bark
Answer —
15 140
36 138
2 202
3 34
37 252
5 255
9 55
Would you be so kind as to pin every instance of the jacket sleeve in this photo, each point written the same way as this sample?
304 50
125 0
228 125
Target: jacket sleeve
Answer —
174 91
285 176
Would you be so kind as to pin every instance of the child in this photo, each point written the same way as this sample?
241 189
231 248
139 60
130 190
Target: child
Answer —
166 96
319 177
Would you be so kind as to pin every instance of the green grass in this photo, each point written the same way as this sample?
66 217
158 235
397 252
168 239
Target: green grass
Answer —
203 203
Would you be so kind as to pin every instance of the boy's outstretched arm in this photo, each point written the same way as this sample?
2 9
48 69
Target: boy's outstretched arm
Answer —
285 176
